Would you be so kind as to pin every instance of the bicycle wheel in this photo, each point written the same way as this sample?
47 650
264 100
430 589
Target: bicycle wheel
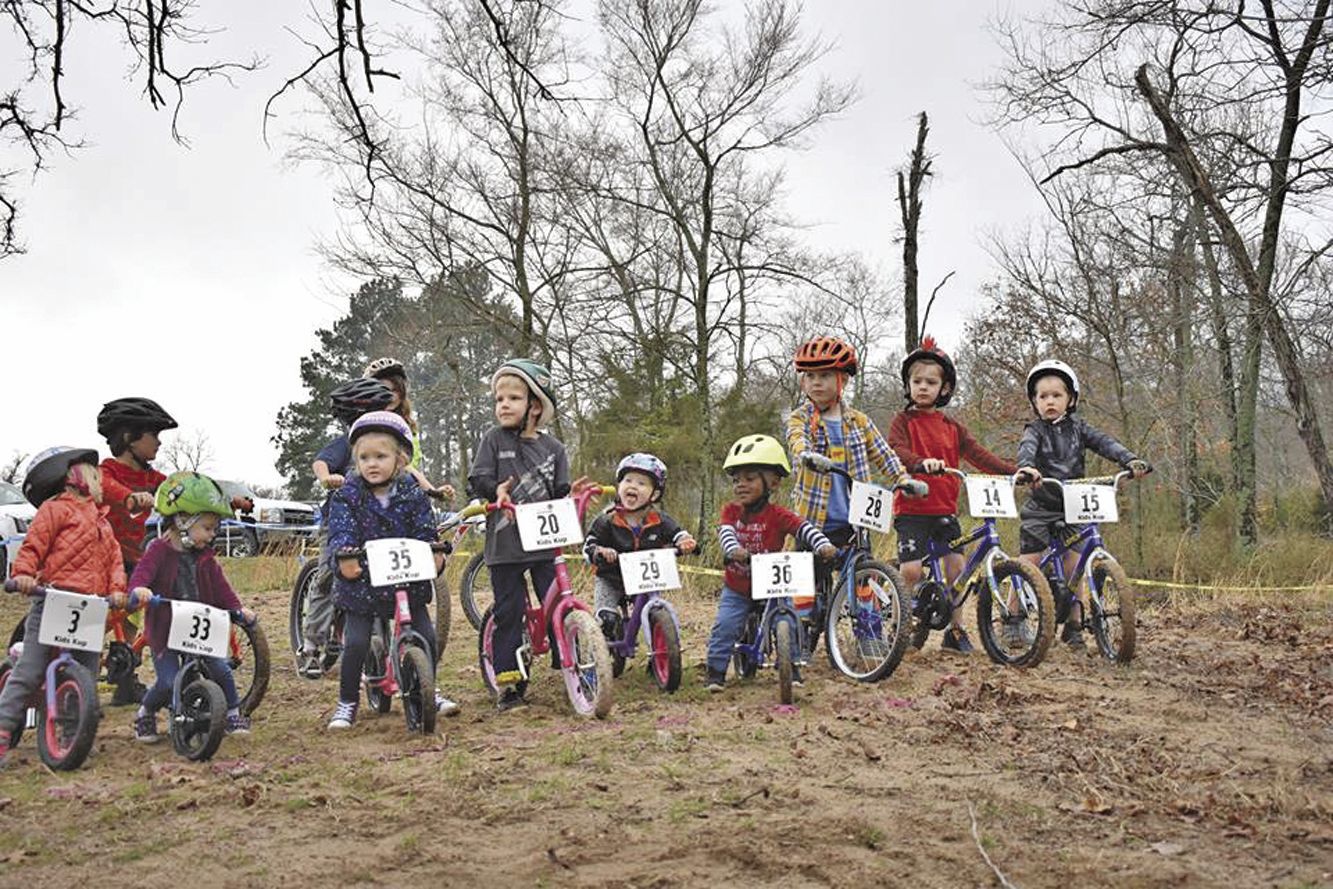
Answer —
7 667
867 632
664 659
475 593
65 734
444 615
249 663
196 729
743 663
588 681
783 646
376 698
1016 619
305 579
416 684
1112 618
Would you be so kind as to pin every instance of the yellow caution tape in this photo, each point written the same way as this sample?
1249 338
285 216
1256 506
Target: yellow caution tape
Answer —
706 572
1136 581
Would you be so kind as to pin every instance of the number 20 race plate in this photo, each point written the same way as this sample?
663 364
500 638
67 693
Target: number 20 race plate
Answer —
548 524
70 620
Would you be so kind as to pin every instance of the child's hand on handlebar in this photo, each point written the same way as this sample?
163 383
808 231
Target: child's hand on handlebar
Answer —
915 488
139 501
349 565
333 481
1029 475
817 462
740 556
24 584
932 466
687 545
502 493
607 555
827 551
1139 468
248 615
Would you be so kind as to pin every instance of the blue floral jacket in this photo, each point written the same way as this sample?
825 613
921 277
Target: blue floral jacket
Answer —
355 516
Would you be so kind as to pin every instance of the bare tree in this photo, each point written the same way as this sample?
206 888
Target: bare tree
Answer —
909 210
187 451
12 470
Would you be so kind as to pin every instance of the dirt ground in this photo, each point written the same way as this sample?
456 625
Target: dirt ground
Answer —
1209 761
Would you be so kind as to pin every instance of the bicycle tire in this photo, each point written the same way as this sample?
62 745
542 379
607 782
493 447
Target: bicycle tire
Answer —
7 667
444 616
990 625
376 698
196 731
416 686
745 665
65 737
664 656
588 682
475 593
1109 616
879 633
253 640
782 657
296 608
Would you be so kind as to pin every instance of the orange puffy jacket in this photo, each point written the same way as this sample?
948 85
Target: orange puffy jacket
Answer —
70 546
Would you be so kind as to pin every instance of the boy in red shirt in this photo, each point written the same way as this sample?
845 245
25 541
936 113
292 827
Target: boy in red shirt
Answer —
750 524
928 441
131 427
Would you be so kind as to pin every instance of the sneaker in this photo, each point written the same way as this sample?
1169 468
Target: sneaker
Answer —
511 699
612 626
311 665
444 706
796 680
344 716
956 640
238 724
717 681
1072 635
145 729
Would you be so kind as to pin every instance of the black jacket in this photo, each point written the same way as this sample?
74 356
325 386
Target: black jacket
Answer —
1055 449
658 531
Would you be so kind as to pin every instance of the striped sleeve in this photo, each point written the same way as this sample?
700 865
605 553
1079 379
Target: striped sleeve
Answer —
810 537
726 536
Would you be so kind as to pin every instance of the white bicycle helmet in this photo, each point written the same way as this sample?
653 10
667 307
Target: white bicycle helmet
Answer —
1051 367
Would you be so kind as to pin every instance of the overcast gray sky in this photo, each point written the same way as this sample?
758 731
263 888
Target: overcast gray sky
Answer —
189 275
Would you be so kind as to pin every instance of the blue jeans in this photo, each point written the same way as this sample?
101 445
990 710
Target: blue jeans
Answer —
168 664
732 609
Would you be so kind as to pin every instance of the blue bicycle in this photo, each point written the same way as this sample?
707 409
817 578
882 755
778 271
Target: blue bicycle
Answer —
862 606
1015 611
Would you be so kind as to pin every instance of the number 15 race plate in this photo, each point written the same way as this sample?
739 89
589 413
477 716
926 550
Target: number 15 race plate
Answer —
649 571
197 628
398 560
73 621
549 524
1090 503
779 575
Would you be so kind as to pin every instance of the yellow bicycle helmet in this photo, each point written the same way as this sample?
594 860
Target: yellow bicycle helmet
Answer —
759 452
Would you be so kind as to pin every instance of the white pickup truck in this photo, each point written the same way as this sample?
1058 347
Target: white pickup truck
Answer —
262 522
15 515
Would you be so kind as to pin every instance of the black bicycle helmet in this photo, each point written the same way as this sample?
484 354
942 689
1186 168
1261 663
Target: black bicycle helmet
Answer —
929 351
359 396
132 414
46 473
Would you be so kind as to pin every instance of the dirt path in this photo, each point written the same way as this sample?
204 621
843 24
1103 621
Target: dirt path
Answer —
1208 762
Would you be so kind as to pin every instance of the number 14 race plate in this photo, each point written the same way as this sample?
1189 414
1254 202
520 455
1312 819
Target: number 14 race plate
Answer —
548 524
70 620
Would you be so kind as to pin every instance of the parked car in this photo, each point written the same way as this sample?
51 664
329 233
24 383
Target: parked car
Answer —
260 522
15 515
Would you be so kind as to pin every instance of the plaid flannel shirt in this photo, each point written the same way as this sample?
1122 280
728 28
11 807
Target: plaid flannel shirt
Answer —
864 444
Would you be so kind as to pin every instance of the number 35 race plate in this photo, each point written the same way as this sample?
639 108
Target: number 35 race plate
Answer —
392 561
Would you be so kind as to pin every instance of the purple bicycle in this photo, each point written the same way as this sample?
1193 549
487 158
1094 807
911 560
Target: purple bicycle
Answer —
654 616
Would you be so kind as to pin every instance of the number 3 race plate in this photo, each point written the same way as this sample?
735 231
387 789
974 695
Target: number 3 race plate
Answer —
73 621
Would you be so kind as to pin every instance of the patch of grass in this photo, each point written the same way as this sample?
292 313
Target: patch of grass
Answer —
682 809
869 836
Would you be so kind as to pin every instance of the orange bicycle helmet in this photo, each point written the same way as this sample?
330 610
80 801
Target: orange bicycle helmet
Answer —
826 353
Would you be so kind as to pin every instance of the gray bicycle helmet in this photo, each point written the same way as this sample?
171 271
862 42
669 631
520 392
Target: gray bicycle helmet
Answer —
356 397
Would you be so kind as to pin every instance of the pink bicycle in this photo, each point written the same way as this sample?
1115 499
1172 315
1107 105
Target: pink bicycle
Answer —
585 660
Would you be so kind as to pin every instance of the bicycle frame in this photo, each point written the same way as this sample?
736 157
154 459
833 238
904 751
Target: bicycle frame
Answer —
644 604
402 633
757 649
1088 544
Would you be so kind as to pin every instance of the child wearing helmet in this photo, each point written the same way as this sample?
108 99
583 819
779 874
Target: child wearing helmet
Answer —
1053 445
929 441
380 500
70 546
632 523
332 464
516 462
180 565
751 524
824 432
131 427
392 373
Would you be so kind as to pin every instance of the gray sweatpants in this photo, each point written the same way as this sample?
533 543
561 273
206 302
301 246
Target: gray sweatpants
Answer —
605 597
29 672
319 601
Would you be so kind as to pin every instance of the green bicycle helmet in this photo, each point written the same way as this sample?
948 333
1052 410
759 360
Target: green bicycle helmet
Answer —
538 380
190 493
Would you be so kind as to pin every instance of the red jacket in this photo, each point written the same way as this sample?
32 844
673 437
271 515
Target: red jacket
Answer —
70 546
916 436
119 482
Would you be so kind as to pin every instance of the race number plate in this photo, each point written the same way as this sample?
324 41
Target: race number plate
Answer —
70 620
991 497
1090 503
548 524
197 628
398 560
871 507
779 575
649 571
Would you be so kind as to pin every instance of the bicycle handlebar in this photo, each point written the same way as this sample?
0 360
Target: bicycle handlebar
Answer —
963 476
135 602
1114 481
908 486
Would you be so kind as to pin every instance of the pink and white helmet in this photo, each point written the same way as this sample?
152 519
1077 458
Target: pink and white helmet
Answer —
382 421
647 464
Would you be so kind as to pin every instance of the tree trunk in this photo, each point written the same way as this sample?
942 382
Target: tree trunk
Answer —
909 208
1180 276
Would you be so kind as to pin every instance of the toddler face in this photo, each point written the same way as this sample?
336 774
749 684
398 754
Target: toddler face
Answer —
511 402
378 458
925 381
821 386
202 532
748 485
145 446
635 490
1051 397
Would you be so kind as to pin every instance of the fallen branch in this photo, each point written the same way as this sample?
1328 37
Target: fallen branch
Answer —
976 837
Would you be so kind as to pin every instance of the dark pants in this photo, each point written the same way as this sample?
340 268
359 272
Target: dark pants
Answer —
511 600
356 645
168 664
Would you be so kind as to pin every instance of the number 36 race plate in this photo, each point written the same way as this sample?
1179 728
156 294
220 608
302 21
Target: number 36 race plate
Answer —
779 575
197 628
548 524
70 620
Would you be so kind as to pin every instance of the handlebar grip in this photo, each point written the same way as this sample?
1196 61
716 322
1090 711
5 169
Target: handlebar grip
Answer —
11 586
915 487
